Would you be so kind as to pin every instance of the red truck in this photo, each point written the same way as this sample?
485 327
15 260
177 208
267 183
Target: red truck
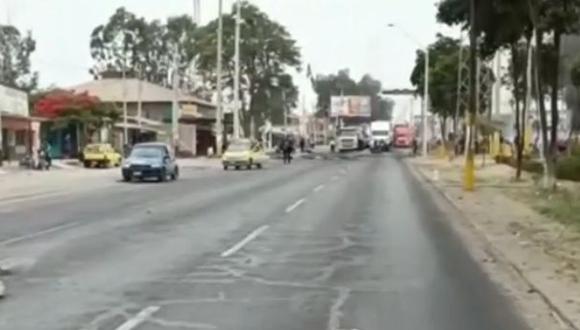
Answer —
403 136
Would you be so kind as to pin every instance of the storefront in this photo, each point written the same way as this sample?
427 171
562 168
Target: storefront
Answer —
20 132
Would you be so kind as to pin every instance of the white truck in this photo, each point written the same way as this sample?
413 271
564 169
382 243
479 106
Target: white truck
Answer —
348 139
381 136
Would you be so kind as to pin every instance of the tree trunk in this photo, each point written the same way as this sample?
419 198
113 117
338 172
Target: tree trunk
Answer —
516 72
548 165
554 97
444 130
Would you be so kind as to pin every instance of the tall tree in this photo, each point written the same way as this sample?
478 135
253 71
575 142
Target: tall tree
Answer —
330 85
267 52
86 112
515 27
341 83
15 51
143 49
557 18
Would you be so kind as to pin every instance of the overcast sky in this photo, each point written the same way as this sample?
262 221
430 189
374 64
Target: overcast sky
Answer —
333 34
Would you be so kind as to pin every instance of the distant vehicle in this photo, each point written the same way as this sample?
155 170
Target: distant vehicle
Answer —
100 155
365 137
403 136
244 153
150 160
348 139
381 136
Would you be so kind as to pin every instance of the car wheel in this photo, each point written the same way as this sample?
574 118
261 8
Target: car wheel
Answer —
175 174
162 177
237 167
259 166
87 164
250 164
226 167
126 177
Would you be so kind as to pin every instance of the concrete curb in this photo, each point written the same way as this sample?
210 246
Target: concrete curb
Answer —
496 253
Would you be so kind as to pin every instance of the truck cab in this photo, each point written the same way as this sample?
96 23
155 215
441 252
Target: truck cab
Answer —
381 136
347 139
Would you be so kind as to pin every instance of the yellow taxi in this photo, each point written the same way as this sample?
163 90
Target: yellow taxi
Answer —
244 153
101 155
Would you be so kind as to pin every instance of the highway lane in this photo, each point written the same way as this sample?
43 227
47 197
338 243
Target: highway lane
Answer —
348 243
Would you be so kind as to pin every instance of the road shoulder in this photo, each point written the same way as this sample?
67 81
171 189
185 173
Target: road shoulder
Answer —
485 220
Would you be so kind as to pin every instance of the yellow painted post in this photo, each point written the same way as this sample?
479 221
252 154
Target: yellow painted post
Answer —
528 139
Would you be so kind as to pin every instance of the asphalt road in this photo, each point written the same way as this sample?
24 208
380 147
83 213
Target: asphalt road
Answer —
351 243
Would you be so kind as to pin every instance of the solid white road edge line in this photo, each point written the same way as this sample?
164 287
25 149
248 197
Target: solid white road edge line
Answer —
38 234
295 205
245 241
139 318
319 188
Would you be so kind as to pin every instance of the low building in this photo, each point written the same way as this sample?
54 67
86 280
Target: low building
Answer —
19 132
149 114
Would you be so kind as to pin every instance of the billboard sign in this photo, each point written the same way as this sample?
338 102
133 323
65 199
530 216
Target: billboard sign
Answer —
13 102
350 106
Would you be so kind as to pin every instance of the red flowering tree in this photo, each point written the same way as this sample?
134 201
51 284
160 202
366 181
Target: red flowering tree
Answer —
67 107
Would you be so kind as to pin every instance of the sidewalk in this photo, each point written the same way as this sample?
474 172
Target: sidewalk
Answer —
543 251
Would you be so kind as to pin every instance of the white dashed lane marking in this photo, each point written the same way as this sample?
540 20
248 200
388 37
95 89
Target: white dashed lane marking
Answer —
245 241
138 319
295 205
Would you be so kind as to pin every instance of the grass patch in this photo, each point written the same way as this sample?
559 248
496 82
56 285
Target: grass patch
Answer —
561 206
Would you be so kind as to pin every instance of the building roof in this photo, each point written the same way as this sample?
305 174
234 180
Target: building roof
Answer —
111 90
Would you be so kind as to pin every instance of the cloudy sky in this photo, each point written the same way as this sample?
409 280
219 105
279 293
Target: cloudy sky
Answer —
333 34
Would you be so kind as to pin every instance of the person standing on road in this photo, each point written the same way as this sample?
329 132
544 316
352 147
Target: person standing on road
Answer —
287 149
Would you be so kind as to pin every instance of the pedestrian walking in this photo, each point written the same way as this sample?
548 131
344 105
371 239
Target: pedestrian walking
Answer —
287 150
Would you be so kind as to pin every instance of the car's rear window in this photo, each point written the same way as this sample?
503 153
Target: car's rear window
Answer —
239 147
148 152
94 148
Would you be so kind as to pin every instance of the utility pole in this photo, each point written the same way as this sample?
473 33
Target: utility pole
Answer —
237 73
426 104
219 128
175 105
1 137
139 99
285 111
125 122
197 12
425 108
469 175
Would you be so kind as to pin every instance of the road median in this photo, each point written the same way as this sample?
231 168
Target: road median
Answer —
544 251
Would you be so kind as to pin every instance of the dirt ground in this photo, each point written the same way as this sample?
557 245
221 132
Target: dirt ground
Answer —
543 249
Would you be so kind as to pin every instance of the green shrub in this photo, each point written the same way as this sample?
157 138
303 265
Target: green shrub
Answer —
568 168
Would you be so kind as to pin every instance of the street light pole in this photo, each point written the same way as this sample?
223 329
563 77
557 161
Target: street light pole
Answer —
237 73
125 122
426 103
219 115
175 103
469 173
425 106
285 112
